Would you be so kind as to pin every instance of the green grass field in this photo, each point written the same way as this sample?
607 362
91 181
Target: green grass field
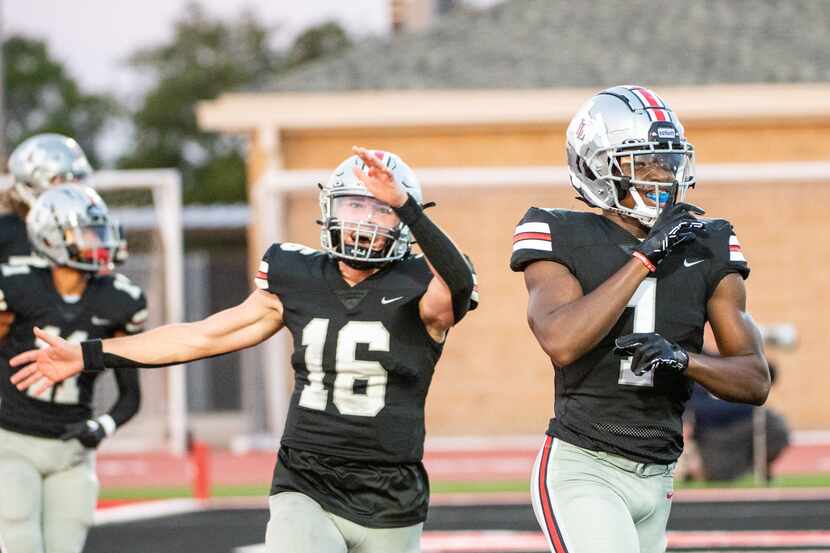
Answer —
787 481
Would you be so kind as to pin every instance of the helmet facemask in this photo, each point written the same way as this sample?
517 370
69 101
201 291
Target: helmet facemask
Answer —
91 247
655 175
360 230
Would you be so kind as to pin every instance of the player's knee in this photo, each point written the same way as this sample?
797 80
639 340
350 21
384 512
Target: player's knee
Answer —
21 485
19 507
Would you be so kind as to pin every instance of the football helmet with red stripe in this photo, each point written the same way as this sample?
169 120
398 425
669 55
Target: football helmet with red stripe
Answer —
627 152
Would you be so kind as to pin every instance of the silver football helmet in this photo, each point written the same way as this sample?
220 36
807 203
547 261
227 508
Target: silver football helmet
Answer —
628 140
71 227
362 231
45 160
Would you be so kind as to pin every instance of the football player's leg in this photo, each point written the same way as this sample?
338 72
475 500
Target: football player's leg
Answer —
69 498
20 504
298 524
576 505
652 528
360 539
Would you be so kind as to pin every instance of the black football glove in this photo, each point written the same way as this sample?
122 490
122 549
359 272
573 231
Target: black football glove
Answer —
650 351
89 432
676 225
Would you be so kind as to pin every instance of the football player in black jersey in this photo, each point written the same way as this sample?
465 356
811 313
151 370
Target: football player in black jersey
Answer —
369 321
48 440
618 300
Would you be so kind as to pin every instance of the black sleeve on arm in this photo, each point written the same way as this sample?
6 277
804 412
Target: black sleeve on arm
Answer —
96 360
129 396
449 263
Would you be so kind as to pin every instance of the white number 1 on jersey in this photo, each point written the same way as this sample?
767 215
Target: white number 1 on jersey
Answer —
644 302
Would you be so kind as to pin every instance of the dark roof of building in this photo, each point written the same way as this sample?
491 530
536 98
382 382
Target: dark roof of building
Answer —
563 43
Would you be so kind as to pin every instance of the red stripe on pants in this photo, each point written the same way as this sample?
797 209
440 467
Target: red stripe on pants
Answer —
550 522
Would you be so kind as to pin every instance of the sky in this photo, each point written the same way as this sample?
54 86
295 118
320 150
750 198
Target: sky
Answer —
94 37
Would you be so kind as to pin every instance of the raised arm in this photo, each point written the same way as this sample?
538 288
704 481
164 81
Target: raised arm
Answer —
247 324
740 373
447 298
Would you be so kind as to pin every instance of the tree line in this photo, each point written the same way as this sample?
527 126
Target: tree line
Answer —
205 57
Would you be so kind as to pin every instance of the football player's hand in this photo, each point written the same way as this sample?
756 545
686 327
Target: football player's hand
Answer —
649 352
89 432
378 179
676 225
48 366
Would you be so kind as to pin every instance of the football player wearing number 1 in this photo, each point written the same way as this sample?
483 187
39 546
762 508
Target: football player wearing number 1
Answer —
369 321
48 486
618 300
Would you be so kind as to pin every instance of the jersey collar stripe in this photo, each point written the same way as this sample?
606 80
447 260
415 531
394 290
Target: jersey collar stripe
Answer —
551 526
651 101
542 245
262 275
533 227
531 236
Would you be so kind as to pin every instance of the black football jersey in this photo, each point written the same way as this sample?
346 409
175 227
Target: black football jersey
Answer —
108 305
600 404
14 241
363 362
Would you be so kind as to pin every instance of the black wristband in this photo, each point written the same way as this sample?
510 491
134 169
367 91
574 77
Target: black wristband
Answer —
93 353
410 211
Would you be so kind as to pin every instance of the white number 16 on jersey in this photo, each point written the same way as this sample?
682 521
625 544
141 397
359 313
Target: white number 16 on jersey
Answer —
348 368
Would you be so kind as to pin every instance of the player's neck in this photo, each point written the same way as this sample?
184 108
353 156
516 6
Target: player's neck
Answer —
633 226
354 276
68 281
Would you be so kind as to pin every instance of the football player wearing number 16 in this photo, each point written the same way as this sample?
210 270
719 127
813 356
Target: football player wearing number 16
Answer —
369 321
618 300
48 486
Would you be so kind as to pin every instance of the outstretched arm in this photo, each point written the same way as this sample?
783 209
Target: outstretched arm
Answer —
740 373
247 324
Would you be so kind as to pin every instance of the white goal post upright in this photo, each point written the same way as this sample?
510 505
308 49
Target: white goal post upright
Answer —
270 215
165 185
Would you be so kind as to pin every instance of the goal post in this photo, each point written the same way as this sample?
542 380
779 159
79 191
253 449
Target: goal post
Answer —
165 187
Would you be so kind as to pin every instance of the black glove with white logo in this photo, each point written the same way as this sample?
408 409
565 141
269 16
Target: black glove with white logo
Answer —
650 351
89 432
676 225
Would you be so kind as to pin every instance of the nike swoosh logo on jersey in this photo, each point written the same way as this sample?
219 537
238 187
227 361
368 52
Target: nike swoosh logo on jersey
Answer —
687 263
100 322
384 301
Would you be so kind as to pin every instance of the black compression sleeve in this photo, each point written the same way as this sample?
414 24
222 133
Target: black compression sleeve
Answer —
129 396
96 359
442 254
